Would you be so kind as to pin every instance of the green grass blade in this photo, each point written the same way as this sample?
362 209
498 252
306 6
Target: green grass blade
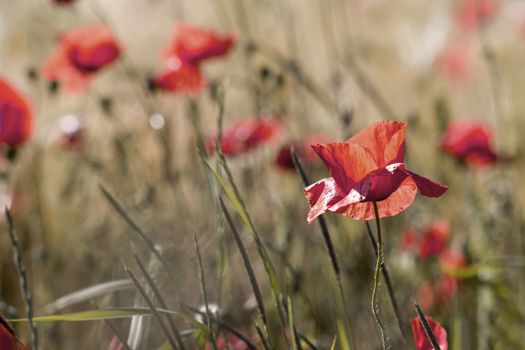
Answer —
86 294
343 336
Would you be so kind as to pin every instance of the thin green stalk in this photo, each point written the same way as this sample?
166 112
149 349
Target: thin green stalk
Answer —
161 301
142 234
20 267
153 308
237 201
203 292
379 264
389 285
247 264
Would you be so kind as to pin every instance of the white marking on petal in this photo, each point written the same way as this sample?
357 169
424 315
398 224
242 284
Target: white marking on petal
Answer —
351 198
392 167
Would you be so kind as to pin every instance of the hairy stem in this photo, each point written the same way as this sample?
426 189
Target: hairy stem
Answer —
379 265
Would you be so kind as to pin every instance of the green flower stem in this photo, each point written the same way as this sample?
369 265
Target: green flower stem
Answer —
379 265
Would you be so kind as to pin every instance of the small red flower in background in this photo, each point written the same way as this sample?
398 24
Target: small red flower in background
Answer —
470 141
452 259
8 339
192 44
429 241
455 62
71 133
420 337
189 46
181 77
440 293
16 116
367 168
434 239
246 134
471 13
80 54
303 150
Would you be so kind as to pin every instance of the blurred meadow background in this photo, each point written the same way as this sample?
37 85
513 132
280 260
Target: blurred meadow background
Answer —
124 168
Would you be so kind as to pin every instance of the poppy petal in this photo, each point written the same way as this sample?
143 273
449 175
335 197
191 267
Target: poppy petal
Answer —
16 116
385 140
182 78
320 195
347 163
193 44
8 339
90 48
398 201
381 183
59 68
426 186
420 337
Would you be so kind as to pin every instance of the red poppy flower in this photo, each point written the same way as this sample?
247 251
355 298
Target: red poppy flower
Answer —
472 12
470 141
180 77
302 148
16 116
8 339
80 54
367 168
247 134
192 44
72 135
420 337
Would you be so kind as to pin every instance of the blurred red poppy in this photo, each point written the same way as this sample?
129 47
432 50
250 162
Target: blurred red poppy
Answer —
452 259
246 134
455 62
470 141
16 116
80 54
367 168
429 241
192 44
471 13
180 78
432 295
8 339
302 148
189 46
420 337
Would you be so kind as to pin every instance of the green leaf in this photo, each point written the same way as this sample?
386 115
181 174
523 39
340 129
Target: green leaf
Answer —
86 294
92 315
334 342
341 331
